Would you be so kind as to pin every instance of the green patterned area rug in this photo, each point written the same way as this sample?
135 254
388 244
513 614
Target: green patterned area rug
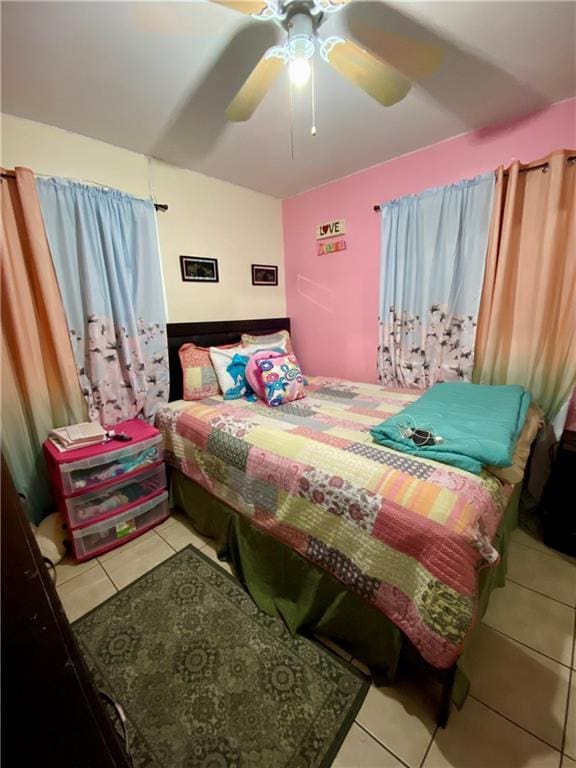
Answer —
208 680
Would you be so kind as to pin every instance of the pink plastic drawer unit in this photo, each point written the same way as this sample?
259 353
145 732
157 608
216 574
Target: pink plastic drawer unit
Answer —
99 538
110 492
114 498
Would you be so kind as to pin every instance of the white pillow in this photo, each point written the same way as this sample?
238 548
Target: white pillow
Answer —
280 338
231 378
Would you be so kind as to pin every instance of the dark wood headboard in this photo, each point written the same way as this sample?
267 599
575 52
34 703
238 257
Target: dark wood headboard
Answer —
212 334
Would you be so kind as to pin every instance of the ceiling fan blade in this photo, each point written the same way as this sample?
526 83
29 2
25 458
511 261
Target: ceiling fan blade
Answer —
254 89
195 20
249 7
199 122
413 58
374 76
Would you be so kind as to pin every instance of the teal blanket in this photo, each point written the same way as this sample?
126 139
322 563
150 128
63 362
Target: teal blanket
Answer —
478 424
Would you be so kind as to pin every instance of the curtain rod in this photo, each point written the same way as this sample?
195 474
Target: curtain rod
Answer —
10 175
570 159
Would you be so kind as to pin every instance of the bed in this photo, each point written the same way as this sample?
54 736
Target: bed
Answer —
329 530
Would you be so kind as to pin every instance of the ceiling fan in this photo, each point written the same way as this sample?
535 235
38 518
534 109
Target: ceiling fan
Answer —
387 82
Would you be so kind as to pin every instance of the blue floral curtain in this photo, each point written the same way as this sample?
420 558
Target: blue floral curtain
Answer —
433 253
105 251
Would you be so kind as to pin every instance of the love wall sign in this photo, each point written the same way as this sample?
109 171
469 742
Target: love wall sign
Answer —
331 229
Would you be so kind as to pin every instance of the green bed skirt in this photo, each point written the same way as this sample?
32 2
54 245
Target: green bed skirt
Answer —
310 600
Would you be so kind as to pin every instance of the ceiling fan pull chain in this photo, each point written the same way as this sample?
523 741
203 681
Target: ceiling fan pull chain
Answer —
291 120
313 90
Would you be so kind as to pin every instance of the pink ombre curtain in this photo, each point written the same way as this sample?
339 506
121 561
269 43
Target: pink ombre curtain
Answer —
527 323
40 387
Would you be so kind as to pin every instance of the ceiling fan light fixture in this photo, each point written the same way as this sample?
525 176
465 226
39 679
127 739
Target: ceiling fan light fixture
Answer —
300 48
299 70
301 20
301 35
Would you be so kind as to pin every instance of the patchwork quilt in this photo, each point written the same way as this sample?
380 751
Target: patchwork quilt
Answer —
407 534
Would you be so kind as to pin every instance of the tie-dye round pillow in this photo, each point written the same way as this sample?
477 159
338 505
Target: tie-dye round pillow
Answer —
282 379
253 373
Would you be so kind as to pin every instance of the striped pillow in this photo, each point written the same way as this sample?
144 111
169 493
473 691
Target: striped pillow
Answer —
280 338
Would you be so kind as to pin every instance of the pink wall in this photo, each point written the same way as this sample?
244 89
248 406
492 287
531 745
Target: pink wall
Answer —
333 299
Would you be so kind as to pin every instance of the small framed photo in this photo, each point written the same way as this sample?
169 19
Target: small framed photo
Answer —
264 275
196 269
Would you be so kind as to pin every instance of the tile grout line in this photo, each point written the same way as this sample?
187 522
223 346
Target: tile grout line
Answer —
377 740
109 577
167 523
522 727
555 554
58 583
111 580
103 566
429 747
193 532
123 548
574 644
114 587
572 673
520 642
120 588
158 533
542 594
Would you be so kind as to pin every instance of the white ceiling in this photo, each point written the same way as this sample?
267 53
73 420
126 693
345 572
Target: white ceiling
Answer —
156 78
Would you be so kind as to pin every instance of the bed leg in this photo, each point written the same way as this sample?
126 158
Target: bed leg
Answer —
446 697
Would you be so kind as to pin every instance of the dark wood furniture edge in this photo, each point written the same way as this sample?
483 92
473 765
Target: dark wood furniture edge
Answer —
260 326
39 652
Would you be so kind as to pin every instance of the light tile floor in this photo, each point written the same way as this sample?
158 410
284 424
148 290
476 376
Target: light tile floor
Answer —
521 712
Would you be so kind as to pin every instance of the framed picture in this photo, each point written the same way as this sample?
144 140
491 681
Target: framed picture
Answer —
195 269
264 275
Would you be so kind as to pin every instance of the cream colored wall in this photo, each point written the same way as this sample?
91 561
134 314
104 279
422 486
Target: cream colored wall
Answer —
205 217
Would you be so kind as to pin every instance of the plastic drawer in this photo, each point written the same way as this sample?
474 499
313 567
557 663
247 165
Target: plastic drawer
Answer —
98 538
81 475
127 492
